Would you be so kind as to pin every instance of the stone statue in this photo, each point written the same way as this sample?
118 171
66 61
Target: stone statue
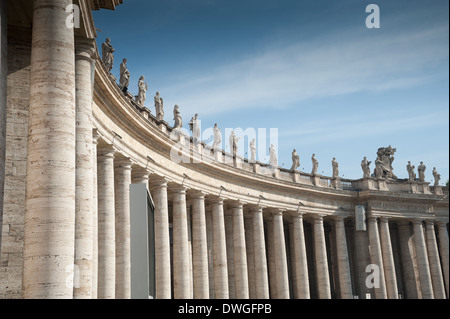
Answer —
335 165
411 174
159 107
421 169
124 76
143 87
107 54
437 177
295 161
217 137
315 164
253 151
365 165
194 126
177 118
234 143
273 156
383 163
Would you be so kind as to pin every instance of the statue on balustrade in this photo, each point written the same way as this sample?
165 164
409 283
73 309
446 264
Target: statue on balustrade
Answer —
234 143
383 163
253 151
124 76
107 54
421 169
143 87
335 166
177 118
365 165
273 156
437 177
194 126
295 161
217 137
315 164
159 107
410 168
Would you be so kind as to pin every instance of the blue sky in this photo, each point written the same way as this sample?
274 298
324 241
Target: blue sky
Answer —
310 68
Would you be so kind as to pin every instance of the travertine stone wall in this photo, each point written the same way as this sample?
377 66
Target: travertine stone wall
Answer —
3 79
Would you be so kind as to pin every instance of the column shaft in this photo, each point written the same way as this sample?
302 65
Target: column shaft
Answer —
240 253
122 181
435 264
320 253
280 257
345 279
219 251
444 250
301 264
260 260
49 233
388 260
248 224
3 99
84 218
199 247
162 239
407 254
181 273
376 257
95 138
106 223
422 261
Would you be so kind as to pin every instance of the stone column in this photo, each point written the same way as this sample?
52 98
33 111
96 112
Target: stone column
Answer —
259 252
248 224
3 95
228 217
422 261
219 250
345 278
199 247
301 264
122 181
162 238
240 253
376 257
280 256
181 274
272 273
320 254
84 174
388 259
435 264
106 223
444 250
49 231
95 137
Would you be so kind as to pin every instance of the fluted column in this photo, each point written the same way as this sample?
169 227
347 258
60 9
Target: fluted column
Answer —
422 260
345 279
280 256
435 264
95 137
122 181
260 260
84 174
388 259
444 250
162 239
219 250
240 253
181 273
320 254
376 256
199 247
49 230
106 223
301 264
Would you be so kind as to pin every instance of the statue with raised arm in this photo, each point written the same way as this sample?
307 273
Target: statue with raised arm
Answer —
124 76
159 107
335 166
253 151
273 156
411 174
385 158
437 177
107 54
315 164
194 125
217 137
142 87
421 169
365 165
295 161
177 118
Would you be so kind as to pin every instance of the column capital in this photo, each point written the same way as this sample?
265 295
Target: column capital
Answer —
416 221
442 223
256 208
197 194
403 222
237 204
384 219
105 151
372 218
429 222
95 136
84 48
123 162
318 218
276 211
216 200
297 214
139 174
178 189
158 182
